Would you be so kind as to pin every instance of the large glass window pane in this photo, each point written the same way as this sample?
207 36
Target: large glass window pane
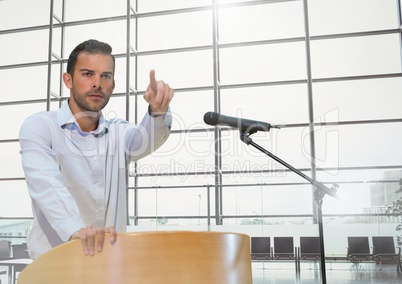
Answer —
344 16
367 144
172 202
93 9
237 155
292 144
261 22
187 117
178 69
289 144
182 153
356 56
263 63
57 88
359 99
184 117
384 192
14 199
272 200
156 201
120 75
353 198
113 33
10 166
20 14
20 84
57 40
286 104
16 48
173 31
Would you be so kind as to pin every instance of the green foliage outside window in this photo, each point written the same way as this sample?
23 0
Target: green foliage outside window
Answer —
396 210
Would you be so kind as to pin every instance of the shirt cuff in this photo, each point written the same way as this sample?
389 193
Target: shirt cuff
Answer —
165 118
69 227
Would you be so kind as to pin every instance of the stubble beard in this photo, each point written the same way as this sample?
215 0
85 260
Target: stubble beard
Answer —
80 100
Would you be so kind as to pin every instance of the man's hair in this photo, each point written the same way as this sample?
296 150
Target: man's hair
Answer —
89 46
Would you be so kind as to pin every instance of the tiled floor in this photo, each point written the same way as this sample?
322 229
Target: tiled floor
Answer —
336 273
276 272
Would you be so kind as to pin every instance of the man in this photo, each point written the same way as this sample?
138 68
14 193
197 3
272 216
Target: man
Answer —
75 160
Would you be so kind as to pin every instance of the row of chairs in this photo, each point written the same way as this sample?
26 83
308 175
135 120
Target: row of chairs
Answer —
8 250
13 251
358 249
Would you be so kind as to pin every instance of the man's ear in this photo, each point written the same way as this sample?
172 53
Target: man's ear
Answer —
68 80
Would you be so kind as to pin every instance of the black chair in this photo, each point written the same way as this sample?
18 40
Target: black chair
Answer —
384 249
284 248
310 248
5 249
260 248
19 251
358 249
5 253
2 272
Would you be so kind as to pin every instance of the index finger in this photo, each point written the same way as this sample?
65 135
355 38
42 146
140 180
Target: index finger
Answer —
152 75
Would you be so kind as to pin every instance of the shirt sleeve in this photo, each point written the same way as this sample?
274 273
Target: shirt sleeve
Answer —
43 178
148 136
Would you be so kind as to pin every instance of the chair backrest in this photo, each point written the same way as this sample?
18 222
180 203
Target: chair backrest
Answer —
260 247
358 245
383 245
310 246
148 257
283 246
5 249
20 251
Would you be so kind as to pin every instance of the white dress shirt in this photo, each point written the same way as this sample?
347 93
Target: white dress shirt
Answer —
76 178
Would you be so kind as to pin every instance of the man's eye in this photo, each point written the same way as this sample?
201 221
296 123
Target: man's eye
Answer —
87 74
106 76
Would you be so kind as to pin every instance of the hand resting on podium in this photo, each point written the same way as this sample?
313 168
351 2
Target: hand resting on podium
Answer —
92 236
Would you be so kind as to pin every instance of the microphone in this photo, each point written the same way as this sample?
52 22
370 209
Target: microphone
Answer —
244 125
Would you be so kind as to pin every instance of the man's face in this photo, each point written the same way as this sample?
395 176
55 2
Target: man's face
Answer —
92 83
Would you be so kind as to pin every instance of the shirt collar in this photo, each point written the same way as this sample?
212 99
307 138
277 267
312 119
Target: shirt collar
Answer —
66 119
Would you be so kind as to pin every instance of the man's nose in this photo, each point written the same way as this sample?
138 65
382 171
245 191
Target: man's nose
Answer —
96 83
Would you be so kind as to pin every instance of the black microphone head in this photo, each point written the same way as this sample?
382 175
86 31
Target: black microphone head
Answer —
211 118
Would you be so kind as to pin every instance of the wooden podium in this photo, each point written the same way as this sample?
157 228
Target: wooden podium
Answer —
179 257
